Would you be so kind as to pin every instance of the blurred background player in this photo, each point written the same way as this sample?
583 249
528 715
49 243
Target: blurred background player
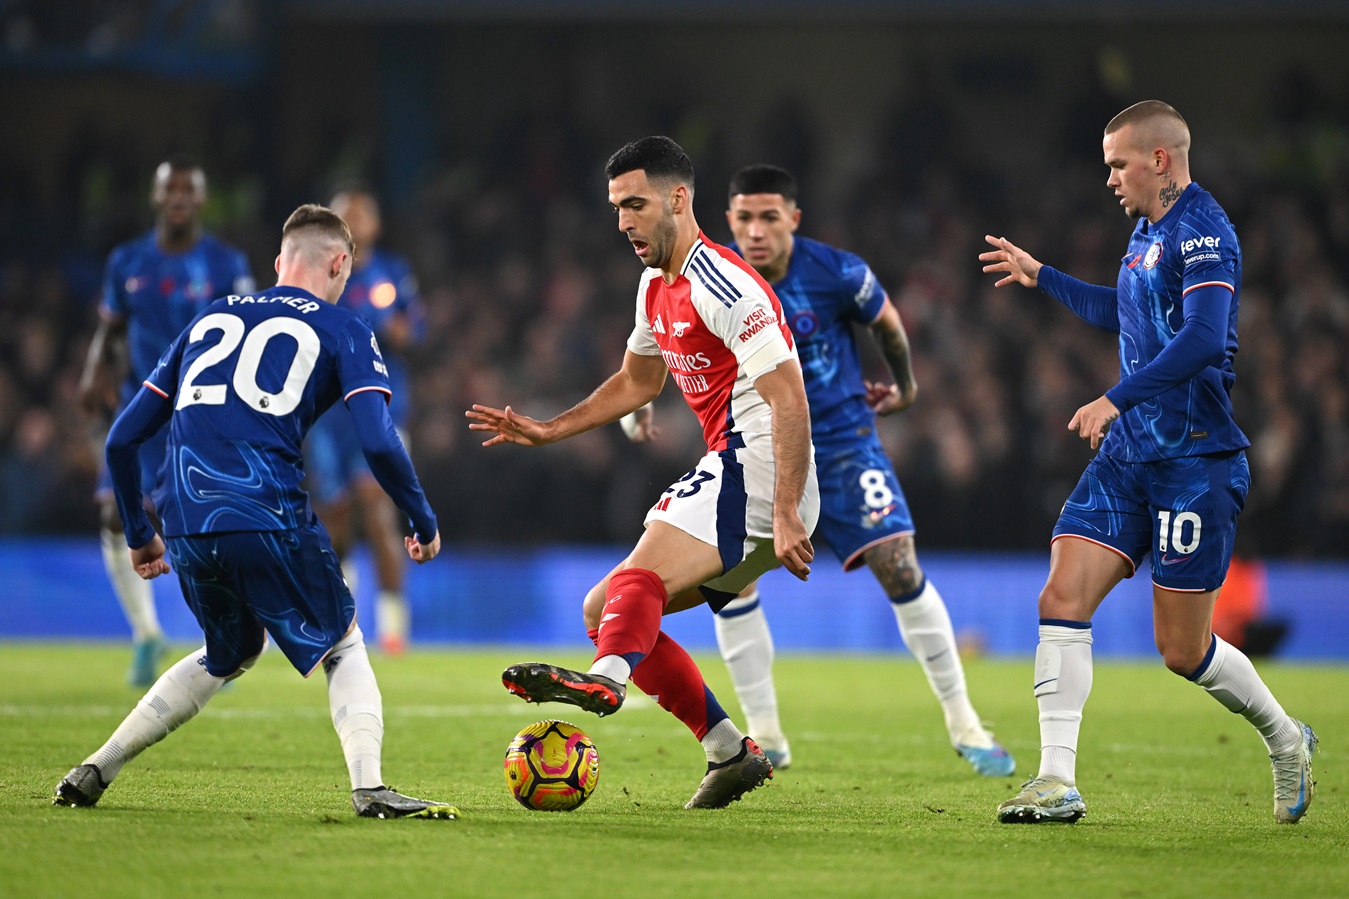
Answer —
1171 476
863 513
746 507
152 287
383 291
238 390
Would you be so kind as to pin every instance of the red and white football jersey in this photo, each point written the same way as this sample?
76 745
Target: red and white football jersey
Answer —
718 315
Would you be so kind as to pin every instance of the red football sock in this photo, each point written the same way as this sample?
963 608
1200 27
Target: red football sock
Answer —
630 621
670 677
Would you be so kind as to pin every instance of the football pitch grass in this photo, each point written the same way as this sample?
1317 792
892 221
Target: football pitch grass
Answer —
251 797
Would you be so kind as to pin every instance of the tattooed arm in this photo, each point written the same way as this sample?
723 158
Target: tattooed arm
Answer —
888 332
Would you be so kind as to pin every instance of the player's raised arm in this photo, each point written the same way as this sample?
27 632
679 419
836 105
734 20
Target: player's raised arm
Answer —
893 342
784 390
634 385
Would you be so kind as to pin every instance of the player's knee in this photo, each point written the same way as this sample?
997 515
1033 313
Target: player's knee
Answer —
904 580
1181 657
895 566
1056 602
593 606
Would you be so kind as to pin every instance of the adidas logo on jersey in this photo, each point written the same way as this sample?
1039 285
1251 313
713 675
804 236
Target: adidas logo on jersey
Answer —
658 326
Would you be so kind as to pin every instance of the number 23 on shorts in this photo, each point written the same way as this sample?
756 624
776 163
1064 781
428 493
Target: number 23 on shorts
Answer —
693 482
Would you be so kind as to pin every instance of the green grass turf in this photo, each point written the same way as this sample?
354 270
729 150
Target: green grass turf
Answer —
250 799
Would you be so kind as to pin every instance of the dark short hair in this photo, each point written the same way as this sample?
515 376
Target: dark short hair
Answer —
660 157
762 178
320 219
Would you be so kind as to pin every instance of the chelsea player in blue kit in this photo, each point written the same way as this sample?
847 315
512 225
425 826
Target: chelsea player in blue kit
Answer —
863 512
1171 475
238 389
152 287
382 290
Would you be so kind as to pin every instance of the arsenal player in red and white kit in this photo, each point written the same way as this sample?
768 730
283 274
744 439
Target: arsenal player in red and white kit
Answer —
707 318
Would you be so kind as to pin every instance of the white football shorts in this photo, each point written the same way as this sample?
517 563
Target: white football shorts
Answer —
726 501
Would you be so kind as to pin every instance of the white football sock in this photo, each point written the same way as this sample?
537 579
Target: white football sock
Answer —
393 620
926 628
614 667
174 699
722 741
1230 678
1063 675
357 709
746 645
133 592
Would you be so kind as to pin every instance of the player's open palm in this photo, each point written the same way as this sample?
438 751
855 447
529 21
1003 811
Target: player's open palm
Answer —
791 544
506 426
1021 267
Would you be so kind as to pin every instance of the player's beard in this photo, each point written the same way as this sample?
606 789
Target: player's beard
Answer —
662 240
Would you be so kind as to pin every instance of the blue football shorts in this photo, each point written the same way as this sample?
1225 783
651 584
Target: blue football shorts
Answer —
861 502
288 583
1184 510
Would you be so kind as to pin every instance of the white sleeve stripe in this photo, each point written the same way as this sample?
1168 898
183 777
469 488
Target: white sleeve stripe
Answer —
364 389
1208 284
155 389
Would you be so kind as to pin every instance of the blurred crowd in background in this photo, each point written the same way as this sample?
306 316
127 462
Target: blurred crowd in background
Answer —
528 296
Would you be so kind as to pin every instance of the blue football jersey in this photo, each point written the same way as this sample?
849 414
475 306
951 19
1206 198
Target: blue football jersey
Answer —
1193 245
158 293
247 379
824 291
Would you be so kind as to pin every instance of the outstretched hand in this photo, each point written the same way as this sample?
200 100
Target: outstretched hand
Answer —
1092 422
422 552
148 560
1021 267
507 426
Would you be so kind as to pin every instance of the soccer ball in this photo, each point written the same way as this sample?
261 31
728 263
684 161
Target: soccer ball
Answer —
551 766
